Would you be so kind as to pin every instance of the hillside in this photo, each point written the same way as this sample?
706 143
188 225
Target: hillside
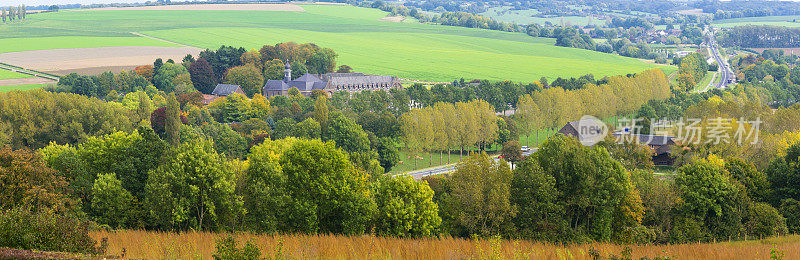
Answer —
408 50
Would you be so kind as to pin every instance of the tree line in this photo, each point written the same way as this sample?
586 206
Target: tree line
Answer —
446 125
554 107
12 13
691 70
760 36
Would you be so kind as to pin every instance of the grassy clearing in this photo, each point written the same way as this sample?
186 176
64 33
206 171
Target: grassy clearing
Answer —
408 50
407 163
22 87
200 245
703 85
789 21
7 74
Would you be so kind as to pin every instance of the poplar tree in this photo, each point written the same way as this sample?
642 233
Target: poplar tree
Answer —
451 126
144 109
528 115
321 112
172 125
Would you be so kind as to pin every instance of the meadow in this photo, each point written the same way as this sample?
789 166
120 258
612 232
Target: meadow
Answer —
201 245
408 50
789 21
7 74
22 87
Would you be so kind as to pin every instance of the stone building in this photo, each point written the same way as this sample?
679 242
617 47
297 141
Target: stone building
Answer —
329 83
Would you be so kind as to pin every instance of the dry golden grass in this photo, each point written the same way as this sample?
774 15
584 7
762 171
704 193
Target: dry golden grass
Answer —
200 245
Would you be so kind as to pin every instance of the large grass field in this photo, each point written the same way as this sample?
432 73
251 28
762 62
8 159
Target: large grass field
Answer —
22 87
7 74
201 245
408 50
789 21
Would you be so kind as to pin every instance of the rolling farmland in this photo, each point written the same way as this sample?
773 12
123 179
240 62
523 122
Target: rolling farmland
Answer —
408 50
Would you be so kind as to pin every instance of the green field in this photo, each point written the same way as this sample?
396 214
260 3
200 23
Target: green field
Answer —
408 50
22 87
7 74
789 21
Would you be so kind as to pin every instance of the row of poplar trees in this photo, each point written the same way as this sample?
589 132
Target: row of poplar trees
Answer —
13 13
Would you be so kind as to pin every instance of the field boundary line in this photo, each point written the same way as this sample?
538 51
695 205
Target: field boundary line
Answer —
34 73
163 40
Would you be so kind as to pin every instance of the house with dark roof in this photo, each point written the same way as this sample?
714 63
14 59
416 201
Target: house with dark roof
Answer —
588 132
328 83
224 90
662 154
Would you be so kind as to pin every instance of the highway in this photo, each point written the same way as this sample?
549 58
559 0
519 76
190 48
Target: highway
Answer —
726 76
419 174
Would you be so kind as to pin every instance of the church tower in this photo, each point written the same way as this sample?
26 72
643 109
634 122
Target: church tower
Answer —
287 73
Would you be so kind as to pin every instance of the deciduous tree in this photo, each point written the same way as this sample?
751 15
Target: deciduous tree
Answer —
405 208
202 76
482 194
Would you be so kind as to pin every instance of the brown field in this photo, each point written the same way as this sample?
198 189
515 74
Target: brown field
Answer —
24 81
89 60
209 7
195 245
93 70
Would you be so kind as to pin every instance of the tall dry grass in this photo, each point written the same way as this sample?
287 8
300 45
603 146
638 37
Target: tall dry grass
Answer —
200 245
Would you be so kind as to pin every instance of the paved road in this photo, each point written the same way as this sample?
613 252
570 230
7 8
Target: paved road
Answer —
726 76
419 174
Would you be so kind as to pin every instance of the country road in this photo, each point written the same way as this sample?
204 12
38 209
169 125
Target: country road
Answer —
419 174
726 76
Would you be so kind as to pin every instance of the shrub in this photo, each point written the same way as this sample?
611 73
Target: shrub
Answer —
228 250
44 230
764 220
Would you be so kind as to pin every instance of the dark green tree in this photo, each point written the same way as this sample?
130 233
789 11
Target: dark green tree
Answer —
172 121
